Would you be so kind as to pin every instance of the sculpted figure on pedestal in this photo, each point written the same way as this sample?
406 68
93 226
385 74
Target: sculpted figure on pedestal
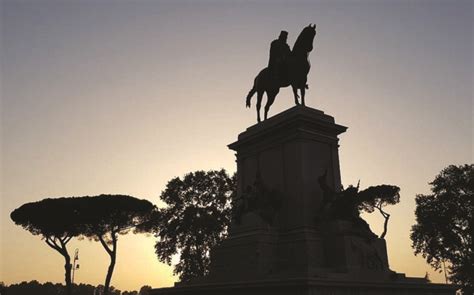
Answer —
257 199
343 205
285 68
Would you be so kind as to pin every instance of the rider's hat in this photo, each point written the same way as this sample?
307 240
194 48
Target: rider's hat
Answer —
283 34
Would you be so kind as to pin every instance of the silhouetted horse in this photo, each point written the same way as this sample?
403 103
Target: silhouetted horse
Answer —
298 69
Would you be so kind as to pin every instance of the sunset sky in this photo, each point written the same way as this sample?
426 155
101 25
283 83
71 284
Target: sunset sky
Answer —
102 96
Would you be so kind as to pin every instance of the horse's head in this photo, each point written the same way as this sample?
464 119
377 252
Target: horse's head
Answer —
304 42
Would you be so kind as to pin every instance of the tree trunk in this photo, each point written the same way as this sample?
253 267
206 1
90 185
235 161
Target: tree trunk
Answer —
108 278
113 257
62 249
67 271
385 227
385 224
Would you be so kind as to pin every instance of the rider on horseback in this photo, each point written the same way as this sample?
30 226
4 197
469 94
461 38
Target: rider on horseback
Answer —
285 68
279 52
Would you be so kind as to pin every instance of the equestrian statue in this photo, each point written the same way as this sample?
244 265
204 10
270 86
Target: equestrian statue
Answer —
285 67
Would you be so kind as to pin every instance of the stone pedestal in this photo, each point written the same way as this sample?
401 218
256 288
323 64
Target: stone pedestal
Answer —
287 154
277 243
290 151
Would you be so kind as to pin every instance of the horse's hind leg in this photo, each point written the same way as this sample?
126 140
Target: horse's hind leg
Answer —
259 104
295 93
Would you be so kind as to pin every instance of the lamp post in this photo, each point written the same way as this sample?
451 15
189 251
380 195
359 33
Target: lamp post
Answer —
75 265
445 275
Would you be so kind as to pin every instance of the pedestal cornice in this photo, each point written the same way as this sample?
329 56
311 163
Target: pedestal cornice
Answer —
299 122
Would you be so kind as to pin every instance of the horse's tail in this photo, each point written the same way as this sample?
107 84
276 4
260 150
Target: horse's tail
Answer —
251 93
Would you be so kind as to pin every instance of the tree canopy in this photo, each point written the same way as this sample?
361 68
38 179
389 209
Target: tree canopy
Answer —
102 218
49 217
195 220
444 226
377 197
57 221
108 216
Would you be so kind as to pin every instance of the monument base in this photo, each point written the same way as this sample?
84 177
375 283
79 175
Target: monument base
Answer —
280 242
314 286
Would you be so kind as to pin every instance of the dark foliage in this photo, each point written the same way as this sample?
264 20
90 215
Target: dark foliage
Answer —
445 225
36 288
145 290
195 220
377 197
48 217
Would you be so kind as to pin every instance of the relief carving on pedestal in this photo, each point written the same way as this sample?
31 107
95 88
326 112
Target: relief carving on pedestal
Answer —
256 198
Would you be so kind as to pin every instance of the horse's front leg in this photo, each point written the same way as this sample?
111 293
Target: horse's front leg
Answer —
259 104
303 91
295 93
